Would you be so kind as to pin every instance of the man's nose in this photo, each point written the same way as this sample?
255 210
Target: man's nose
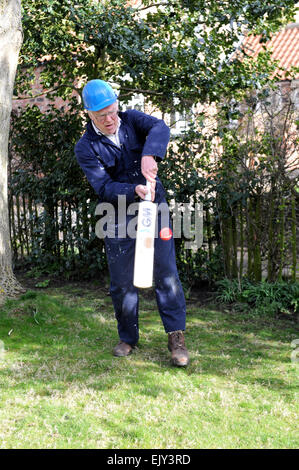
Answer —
109 118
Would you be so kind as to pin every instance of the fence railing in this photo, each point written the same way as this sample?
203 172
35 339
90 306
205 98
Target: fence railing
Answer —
257 239
61 233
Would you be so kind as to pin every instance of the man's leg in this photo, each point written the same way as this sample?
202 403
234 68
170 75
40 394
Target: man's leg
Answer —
170 298
169 291
120 255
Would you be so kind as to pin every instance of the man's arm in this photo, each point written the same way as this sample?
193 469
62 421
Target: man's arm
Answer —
155 130
157 138
149 167
105 187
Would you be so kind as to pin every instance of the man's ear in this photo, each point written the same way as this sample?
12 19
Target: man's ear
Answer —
90 115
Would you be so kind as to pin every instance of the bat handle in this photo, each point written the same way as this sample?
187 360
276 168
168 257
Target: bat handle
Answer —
148 196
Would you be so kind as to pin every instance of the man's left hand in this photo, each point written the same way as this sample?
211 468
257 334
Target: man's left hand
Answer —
149 167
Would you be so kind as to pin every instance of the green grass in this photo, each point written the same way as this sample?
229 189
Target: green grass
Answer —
60 387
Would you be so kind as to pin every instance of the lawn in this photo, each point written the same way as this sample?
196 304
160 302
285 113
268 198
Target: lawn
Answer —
62 388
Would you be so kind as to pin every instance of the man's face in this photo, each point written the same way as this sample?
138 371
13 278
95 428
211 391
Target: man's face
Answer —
106 120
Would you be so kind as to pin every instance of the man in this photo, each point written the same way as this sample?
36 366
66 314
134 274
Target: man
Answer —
118 152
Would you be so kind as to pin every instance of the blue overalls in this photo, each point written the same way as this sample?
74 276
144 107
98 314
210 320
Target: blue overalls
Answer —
114 171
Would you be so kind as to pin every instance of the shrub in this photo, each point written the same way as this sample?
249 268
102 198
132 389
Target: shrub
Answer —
262 298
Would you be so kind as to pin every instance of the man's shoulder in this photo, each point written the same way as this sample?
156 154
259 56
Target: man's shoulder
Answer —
84 148
137 118
84 139
130 114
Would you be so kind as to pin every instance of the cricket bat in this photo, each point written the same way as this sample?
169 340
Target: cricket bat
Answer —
145 238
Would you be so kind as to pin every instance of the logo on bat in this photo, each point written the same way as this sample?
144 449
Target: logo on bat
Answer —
147 217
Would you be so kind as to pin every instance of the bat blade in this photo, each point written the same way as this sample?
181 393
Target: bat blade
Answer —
144 249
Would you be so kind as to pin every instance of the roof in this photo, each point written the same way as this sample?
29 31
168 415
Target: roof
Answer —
284 46
133 3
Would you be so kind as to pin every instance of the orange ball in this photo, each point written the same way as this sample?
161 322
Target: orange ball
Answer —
165 233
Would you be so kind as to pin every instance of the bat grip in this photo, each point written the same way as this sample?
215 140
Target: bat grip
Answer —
148 196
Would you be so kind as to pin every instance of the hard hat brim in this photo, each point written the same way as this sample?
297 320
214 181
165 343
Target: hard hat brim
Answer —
102 106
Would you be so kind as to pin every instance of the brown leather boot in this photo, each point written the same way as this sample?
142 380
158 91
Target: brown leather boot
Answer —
122 349
176 345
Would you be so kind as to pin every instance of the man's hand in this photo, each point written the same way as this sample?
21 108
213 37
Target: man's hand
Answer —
141 190
149 167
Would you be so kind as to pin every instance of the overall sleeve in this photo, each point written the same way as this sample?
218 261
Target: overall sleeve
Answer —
105 187
155 130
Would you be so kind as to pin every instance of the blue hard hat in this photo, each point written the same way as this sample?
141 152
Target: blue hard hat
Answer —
98 94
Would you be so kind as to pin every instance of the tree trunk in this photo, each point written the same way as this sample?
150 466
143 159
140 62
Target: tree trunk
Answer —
250 240
281 237
209 234
10 40
271 250
234 242
294 238
241 240
257 240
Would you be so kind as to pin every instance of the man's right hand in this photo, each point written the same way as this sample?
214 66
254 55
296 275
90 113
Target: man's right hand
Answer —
149 167
141 190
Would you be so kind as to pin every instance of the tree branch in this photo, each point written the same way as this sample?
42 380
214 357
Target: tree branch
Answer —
151 6
138 90
46 92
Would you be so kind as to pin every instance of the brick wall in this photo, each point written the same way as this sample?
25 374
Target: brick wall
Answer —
38 97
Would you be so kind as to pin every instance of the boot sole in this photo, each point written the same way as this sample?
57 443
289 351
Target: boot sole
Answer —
116 354
121 355
180 364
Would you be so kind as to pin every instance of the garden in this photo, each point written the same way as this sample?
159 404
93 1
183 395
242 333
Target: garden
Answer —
231 165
